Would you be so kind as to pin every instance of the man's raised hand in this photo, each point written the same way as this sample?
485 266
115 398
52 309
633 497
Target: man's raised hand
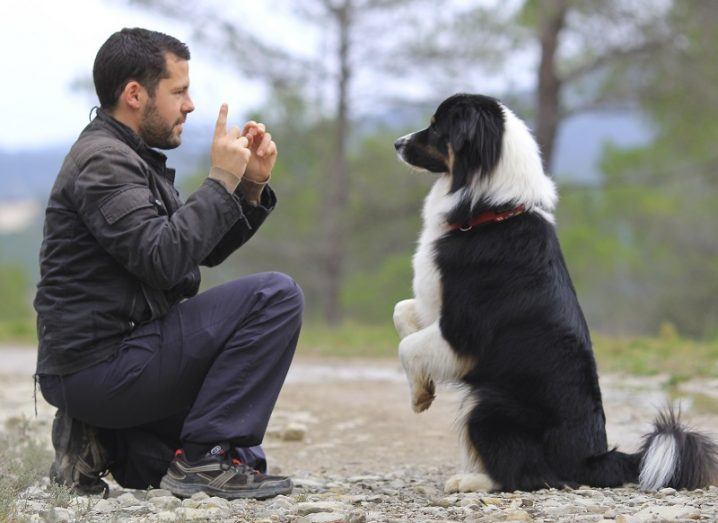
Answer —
264 152
230 150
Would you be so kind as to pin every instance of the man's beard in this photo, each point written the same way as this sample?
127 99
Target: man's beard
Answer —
155 131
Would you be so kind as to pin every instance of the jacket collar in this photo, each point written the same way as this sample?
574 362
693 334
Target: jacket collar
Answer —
155 158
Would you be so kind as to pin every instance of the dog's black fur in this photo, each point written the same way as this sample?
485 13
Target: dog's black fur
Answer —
508 304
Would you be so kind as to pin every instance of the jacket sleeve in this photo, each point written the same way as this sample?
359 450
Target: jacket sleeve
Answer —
244 229
113 197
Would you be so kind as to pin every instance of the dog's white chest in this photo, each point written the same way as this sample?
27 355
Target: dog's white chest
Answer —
427 278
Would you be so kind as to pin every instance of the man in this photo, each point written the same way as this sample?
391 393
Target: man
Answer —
135 371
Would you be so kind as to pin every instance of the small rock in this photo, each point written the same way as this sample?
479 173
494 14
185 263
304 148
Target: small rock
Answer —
167 516
669 513
307 483
356 516
158 493
294 432
364 479
326 517
309 507
215 502
282 502
104 506
668 491
190 514
127 500
191 503
63 514
166 502
516 515
200 496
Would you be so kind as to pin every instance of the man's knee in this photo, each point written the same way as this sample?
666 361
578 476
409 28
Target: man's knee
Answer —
284 288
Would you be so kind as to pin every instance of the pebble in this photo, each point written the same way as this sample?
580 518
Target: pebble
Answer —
215 502
165 502
326 517
309 507
104 506
61 514
127 500
294 432
158 493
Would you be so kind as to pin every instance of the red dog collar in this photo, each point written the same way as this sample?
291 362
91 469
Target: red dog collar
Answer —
487 217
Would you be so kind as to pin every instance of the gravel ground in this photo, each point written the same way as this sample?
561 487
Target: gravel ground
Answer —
346 434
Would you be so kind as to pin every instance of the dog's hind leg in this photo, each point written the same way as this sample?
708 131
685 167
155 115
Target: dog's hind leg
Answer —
472 476
427 358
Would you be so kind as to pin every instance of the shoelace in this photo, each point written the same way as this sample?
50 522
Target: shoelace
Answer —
243 467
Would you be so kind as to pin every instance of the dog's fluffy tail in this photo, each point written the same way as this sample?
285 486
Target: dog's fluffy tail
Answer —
673 456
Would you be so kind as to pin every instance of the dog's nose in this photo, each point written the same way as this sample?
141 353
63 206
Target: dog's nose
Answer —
399 143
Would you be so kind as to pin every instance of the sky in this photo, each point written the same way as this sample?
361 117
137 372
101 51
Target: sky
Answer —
47 45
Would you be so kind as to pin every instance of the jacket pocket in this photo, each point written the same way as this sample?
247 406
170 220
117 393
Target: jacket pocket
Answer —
125 201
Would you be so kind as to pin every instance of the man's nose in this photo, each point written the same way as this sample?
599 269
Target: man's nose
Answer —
188 107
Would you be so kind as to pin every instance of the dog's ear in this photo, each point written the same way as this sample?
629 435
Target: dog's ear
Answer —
475 137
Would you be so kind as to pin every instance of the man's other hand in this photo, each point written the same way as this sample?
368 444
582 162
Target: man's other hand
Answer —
230 150
264 152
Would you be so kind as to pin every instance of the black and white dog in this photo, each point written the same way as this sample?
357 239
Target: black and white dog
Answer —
494 309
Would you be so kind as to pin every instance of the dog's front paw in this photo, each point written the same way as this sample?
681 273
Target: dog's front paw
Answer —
422 396
405 318
468 483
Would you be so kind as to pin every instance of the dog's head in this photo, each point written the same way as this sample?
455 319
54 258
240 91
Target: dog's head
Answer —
463 139
485 149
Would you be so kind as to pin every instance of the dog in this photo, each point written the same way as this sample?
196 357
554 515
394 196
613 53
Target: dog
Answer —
494 310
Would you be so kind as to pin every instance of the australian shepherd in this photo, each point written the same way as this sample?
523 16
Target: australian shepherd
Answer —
494 309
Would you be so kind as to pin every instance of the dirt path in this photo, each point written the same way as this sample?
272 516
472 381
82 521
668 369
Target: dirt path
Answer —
355 435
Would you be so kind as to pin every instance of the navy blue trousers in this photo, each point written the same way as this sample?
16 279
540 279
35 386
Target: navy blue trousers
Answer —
208 371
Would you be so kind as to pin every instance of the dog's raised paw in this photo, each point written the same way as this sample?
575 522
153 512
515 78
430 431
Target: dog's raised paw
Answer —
405 320
423 397
468 483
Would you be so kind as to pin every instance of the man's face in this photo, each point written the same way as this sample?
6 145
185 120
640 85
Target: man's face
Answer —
165 112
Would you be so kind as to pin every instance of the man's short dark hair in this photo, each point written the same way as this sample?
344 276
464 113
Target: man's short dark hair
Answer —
133 54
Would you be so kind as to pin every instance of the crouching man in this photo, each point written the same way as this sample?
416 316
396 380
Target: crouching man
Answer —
156 383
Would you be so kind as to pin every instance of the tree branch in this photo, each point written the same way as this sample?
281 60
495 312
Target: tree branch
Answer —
612 55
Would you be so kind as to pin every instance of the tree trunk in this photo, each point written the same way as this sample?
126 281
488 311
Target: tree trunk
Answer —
338 179
548 114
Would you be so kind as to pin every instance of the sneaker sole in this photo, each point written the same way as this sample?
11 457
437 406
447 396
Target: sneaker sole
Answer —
186 490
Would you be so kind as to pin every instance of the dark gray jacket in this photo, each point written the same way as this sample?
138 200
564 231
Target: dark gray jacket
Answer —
120 248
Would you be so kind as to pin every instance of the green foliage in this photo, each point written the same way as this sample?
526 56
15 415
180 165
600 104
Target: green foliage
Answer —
14 291
350 340
678 357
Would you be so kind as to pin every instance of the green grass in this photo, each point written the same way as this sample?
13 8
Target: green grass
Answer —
19 331
350 340
667 352
678 357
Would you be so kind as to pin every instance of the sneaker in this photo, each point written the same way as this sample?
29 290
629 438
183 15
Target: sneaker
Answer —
218 474
80 458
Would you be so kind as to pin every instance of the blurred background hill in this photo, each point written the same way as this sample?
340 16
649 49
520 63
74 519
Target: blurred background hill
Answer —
621 97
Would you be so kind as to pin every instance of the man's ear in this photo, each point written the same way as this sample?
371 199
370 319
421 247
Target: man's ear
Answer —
134 95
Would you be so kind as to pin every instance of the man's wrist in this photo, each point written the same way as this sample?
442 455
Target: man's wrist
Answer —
252 191
229 180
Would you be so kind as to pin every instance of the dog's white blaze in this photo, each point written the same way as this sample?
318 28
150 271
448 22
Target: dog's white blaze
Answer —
519 176
659 463
427 280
